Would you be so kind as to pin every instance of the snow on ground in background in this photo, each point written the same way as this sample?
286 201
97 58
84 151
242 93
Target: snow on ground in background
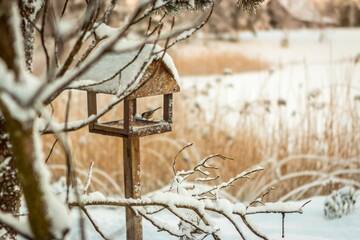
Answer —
309 45
306 66
228 94
311 225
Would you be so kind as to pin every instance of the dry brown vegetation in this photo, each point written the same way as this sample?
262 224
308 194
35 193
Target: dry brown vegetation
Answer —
203 59
284 150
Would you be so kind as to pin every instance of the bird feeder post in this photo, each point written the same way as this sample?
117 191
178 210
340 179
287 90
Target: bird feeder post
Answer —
168 107
129 113
131 153
131 162
92 107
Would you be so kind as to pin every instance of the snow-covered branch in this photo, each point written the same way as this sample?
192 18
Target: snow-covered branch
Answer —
191 208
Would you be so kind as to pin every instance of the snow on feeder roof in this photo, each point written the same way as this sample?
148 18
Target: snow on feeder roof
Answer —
146 70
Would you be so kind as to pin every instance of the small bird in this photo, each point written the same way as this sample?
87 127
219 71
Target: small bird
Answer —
149 114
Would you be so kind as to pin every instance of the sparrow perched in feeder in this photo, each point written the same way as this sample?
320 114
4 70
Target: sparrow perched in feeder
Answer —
149 114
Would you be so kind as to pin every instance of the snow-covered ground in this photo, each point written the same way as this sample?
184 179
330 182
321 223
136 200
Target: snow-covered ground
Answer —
294 46
292 84
315 61
311 225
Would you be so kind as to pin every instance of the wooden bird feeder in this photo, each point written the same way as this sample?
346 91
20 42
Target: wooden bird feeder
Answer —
156 76
157 80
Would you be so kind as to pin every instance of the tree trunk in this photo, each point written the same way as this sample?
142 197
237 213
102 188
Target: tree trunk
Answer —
21 133
10 193
21 136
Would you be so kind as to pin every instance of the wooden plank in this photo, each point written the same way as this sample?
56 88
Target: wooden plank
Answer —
113 134
126 115
157 80
109 130
92 104
168 108
92 107
131 153
150 130
129 113
139 131
133 109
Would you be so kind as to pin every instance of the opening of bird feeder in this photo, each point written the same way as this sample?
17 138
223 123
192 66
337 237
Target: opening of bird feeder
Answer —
153 120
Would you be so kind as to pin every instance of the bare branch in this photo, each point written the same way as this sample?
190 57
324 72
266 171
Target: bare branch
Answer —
88 180
97 229
51 150
242 175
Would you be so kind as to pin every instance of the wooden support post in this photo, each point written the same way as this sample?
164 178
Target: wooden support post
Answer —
129 113
168 108
131 152
92 107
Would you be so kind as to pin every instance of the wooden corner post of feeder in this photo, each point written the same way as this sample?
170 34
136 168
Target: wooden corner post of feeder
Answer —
158 78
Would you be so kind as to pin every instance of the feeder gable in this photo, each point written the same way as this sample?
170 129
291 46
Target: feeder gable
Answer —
157 80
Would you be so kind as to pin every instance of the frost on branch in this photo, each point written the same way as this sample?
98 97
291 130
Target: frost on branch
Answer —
177 5
9 186
29 10
192 203
57 212
249 5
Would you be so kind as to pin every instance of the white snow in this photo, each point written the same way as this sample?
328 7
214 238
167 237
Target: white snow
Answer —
309 225
21 225
293 84
56 210
186 34
103 30
36 4
103 77
307 67
15 94
66 26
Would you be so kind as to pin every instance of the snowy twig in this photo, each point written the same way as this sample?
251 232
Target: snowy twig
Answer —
242 175
51 150
42 35
97 229
89 177
162 226
177 155
21 228
187 34
202 164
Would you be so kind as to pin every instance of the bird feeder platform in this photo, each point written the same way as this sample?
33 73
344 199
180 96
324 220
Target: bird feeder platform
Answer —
138 128
132 125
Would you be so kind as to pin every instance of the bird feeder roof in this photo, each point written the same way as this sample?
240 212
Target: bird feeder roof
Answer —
145 71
